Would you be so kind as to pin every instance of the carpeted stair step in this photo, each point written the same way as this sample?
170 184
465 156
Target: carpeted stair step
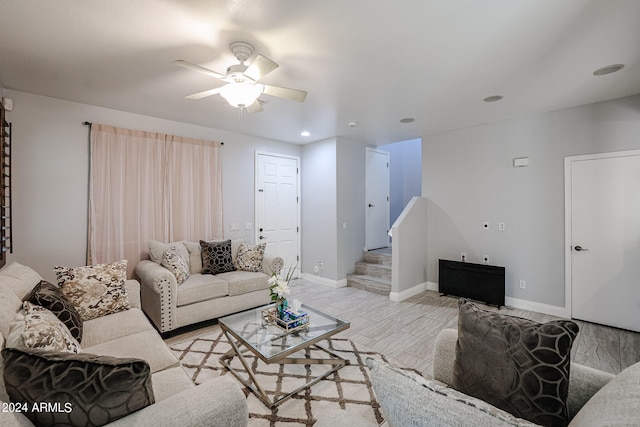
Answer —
369 283
377 258
376 270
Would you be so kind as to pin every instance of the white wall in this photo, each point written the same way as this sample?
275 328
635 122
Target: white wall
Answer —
319 207
351 164
50 175
468 177
405 160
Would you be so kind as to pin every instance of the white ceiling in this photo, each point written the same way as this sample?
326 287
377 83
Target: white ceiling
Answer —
367 61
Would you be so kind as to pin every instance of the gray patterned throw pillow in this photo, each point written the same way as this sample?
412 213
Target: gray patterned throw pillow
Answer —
216 257
515 364
51 297
250 257
173 261
89 390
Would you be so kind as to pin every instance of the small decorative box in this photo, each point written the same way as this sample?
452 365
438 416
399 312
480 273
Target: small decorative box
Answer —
295 318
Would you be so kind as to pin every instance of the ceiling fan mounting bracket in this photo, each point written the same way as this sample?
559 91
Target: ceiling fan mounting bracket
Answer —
241 50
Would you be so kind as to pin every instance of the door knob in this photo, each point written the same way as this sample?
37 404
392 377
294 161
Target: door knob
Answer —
262 237
580 249
370 205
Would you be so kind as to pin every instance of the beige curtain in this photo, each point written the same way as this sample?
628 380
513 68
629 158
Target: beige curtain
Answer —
146 185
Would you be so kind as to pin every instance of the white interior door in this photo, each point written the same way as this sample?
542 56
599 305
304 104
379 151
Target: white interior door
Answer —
377 199
605 238
277 206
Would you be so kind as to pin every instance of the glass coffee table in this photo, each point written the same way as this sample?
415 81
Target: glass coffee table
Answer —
249 331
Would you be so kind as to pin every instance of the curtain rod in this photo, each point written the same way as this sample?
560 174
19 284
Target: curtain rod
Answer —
90 124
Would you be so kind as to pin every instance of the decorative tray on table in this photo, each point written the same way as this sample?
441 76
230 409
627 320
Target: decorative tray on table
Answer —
291 321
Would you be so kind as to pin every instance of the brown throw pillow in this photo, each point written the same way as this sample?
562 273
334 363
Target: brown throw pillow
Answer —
515 364
51 297
78 389
216 257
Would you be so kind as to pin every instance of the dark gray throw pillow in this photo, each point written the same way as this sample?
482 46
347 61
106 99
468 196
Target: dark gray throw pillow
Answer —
67 389
515 364
216 257
51 297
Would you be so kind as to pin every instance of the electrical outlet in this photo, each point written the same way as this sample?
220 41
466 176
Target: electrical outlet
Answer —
523 284
463 256
248 226
485 258
235 227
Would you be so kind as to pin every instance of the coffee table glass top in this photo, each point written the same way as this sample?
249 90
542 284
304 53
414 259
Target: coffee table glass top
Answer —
270 341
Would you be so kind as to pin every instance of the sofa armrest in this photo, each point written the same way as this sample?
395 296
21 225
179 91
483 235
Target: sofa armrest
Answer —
154 275
444 356
159 294
584 382
272 264
133 292
219 402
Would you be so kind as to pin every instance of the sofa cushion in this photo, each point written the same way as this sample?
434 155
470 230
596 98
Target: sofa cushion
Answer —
195 253
243 282
147 345
51 297
89 390
170 381
10 304
156 249
407 399
95 290
515 364
615 404
216 257
108 328
19 279
173 261
250 257
201 287
37 327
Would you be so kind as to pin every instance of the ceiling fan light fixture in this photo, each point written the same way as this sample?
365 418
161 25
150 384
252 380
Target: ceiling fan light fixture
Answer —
608 69
241 95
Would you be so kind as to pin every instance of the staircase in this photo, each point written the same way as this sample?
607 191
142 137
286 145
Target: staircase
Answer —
372 274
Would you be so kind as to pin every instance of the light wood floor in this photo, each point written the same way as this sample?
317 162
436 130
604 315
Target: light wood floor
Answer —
405 331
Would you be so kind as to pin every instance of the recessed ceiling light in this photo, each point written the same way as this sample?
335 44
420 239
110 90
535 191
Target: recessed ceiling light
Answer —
608 69
493 98
407 120
305 133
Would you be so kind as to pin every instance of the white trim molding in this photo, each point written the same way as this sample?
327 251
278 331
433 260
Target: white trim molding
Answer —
408 293
324 281
538 307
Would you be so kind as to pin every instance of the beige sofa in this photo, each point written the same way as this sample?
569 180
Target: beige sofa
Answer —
595 398
202 296
128 334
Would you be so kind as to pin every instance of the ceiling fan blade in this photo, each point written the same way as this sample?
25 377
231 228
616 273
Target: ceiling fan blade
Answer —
256 107
204 94
285 92
260 67
199 69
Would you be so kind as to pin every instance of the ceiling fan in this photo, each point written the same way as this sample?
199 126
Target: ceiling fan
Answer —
242 89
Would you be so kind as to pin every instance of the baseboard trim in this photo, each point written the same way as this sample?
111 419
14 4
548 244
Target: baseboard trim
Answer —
408 293
538 307
324 281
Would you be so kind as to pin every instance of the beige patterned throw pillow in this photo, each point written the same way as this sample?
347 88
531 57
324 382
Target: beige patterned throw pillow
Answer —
41 329
173 261
250 257
95 290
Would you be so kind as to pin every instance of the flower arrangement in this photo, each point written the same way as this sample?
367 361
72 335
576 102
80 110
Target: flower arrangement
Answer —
279 286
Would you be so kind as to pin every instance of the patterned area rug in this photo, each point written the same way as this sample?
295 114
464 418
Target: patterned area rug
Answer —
348 388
